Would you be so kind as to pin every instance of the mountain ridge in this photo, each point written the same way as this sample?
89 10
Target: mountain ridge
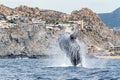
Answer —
111 19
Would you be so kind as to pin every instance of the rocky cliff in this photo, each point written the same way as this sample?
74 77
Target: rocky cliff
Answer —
95 31
49 16
24 41
31 40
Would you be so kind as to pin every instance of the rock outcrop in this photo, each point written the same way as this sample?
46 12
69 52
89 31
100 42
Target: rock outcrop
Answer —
95 31
49 16
31 40
24 41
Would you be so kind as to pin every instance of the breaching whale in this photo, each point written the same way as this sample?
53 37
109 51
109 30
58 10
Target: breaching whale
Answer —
70 46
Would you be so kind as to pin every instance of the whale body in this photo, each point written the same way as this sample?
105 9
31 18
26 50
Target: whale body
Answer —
70 46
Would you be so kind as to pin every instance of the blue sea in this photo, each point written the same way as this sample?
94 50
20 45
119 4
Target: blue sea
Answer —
48 69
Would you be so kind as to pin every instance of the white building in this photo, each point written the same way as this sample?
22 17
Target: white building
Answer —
1 25
4 24
38 22
9 17
13 17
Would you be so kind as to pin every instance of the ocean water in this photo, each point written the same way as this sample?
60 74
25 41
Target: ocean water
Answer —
50 69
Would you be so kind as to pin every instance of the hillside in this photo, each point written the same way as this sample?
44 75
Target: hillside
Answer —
95 31
31 40
111 19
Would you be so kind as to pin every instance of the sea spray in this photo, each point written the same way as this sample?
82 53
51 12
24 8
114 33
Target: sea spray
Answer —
59 58
83 52
88 60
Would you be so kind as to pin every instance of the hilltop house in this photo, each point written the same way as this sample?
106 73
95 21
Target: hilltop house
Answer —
5 24
115 51
38 22
56 28
9 17
80 22
13 17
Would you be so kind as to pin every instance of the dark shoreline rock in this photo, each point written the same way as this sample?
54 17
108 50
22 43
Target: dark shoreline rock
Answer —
22 57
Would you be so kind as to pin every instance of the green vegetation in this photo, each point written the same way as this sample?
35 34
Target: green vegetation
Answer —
11 21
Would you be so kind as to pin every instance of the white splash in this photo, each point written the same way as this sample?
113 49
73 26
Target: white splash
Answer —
61 60
90 62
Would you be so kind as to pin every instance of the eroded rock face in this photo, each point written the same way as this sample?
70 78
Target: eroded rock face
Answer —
95 32
25 40
29 39
50 16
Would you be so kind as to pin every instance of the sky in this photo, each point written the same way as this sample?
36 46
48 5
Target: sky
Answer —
67 6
